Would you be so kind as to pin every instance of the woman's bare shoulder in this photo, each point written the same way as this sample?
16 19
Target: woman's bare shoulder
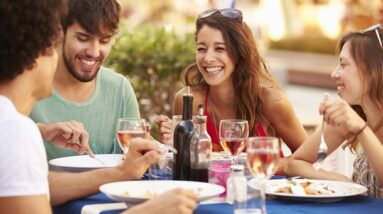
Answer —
272 96
275 100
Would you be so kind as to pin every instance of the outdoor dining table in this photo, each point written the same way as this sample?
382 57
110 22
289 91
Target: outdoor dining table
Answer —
353 204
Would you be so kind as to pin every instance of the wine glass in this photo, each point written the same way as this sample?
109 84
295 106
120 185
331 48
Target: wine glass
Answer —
233 135
127 129
262 160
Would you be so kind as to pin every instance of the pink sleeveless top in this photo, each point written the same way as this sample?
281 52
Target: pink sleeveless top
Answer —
213 131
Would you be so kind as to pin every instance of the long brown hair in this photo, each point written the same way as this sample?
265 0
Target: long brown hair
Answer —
250 73
367 53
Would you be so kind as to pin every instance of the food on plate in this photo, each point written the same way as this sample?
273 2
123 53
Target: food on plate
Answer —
146 194
305 188
151 194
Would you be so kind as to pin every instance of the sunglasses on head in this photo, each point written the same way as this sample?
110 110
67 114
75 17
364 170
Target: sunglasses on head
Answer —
375 28
230 13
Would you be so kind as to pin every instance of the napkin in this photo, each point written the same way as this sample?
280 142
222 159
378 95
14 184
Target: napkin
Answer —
98 208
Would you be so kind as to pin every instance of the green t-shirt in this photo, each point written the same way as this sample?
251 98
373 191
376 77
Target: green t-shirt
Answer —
113 98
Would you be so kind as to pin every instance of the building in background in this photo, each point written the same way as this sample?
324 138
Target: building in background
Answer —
274 22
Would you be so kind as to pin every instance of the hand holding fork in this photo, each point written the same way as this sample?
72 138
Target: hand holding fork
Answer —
322 152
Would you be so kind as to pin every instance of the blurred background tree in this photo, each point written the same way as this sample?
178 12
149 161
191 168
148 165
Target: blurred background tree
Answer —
152 59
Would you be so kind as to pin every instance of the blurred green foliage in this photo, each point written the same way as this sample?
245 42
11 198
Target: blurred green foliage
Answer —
152 58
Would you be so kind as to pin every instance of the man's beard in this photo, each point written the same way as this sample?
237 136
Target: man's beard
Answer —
86 77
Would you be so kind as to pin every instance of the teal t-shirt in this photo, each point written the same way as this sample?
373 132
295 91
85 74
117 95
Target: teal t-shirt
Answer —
113 98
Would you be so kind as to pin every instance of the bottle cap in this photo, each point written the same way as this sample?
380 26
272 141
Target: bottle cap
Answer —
200 117
200 110
188 91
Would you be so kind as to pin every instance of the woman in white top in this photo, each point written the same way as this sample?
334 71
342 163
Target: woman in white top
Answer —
356 118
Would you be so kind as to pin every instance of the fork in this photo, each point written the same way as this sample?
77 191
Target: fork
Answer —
99 160
96 158
322 152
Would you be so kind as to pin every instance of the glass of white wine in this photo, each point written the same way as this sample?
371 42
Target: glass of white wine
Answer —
233 135
127 129
262 160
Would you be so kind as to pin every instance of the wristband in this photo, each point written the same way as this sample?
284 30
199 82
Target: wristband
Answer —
360 131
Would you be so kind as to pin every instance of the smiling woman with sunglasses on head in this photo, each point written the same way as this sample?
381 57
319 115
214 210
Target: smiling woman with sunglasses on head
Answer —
359 78
231 79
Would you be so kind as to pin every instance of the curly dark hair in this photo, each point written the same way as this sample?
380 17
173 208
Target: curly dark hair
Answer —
95 16
27 29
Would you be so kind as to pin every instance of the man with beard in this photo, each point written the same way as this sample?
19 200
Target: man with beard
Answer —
88 95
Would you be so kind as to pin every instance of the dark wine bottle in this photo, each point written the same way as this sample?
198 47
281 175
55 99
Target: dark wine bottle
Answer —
183 133
200 149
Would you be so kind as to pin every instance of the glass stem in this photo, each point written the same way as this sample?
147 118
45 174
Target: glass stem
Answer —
263 195
234 159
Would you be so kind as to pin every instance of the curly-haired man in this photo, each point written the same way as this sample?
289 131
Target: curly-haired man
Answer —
28 32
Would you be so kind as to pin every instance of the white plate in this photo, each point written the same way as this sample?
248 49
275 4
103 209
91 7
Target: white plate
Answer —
132 192
341 190
84 162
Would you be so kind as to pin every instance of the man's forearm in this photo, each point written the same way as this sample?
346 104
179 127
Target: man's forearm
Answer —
69 186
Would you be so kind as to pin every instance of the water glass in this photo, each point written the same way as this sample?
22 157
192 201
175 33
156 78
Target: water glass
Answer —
163 169
249 200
